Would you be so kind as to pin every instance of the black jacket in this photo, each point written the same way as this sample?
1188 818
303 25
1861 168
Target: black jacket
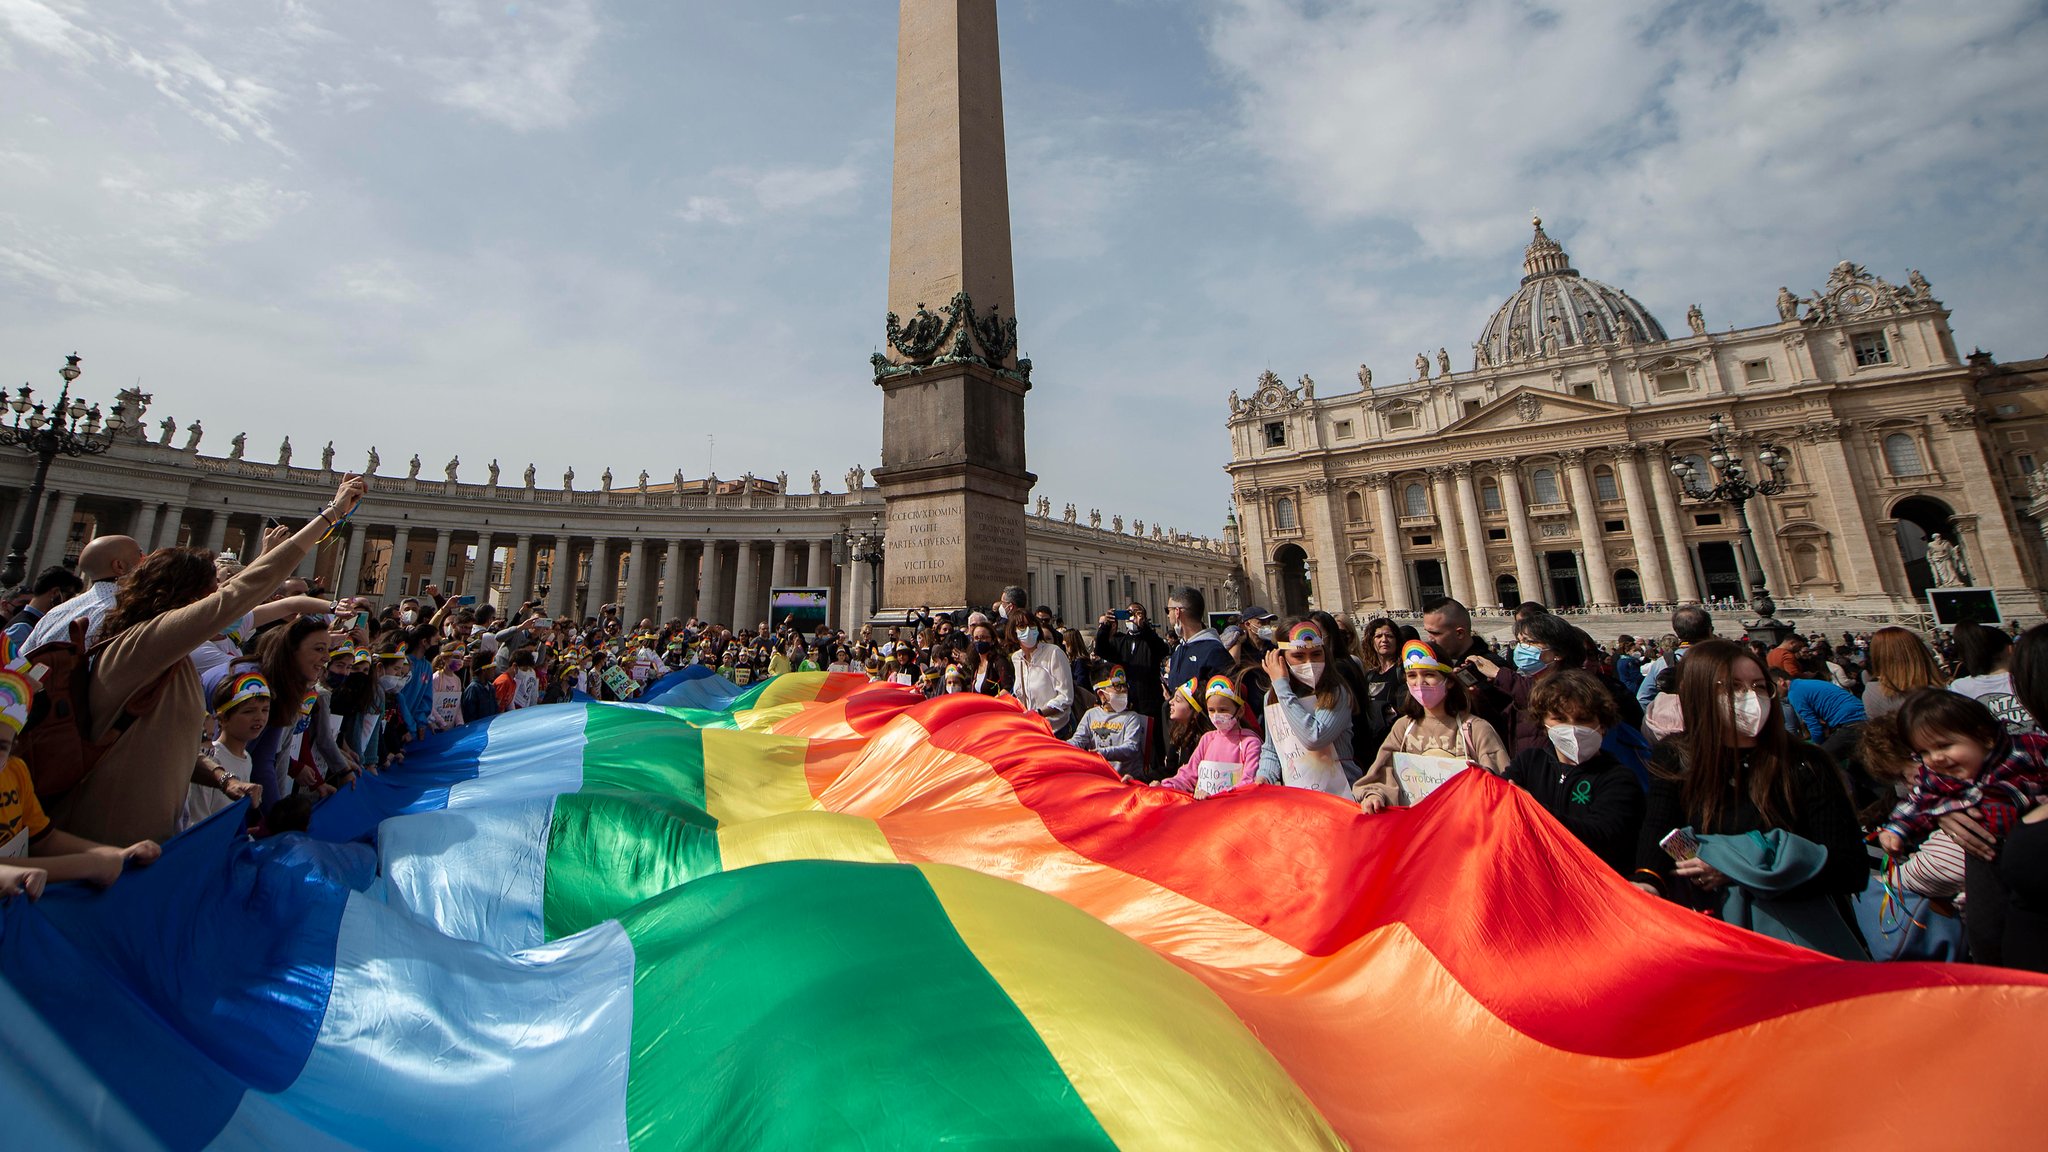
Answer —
1598 801
1140 656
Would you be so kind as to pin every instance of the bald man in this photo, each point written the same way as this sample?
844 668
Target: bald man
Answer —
101 565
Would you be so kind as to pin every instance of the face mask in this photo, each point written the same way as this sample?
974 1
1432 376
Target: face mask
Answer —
1119 701
1428 695
1749 713
392 683
1132 626
1028 637
1224 721
1310 674
984 647
1269 633
1528 657
1575 744
408 617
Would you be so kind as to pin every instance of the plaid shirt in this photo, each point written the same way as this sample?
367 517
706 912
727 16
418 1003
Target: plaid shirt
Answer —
2014 779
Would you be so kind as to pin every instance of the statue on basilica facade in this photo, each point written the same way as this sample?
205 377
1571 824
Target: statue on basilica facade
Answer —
1443 362
169 426
1364 378
192 435
1070 514
1422 365
782 482
412 470
1696 320
284 453
236 445
1095 518
530 476
1945 561
1308 387
643 481
1236 402
605 481
1116 525
1788 304
327 457
1518 344
493 470
1917 287
450 470
855 476
569 479
817 483
370 465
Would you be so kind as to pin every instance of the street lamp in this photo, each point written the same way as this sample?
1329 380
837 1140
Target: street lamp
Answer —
1734 485
69 427
867 548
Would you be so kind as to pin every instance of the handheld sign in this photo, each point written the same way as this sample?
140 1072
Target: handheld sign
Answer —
622 685
1213 776
1421 775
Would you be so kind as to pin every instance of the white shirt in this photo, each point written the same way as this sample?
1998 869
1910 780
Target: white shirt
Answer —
1044 682
94 603
202 801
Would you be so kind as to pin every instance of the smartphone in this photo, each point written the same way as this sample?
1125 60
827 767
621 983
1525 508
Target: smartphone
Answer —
362 619
465 601
1680 844
269 522
1121 614
1466 675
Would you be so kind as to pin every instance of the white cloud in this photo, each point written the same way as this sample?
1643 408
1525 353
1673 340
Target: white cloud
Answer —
749 193
521 67
707 210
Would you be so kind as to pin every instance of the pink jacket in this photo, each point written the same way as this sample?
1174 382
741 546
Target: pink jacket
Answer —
1240 745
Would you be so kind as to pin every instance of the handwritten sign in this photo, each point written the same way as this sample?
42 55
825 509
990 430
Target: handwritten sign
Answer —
1421 775
622 685
1213 776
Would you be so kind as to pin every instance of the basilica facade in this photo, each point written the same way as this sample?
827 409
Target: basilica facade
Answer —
1545 470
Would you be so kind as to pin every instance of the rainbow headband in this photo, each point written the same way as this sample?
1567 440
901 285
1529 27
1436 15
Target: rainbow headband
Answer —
17 687
1419 657
242 688
1116 681
1303 636
1221 686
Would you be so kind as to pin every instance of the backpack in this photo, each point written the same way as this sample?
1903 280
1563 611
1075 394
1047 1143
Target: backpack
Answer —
55 742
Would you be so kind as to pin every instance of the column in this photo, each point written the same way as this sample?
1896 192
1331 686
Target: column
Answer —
778 568
675 585
394 576
1685 582
604 579
710 601
1591 539
1628 465
1457 576
1394 586
1528 573
145 525
216 529
443 541
353 538
562 577
167 528
1996 563
745 613
637 583
1326 551
1763 528
519 582
50 549
480 572
815 573
1483 591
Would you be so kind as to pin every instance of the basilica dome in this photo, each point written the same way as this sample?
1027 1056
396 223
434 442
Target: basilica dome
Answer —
1555 301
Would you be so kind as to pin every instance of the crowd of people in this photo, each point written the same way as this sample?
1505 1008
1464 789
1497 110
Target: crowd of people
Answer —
1878 797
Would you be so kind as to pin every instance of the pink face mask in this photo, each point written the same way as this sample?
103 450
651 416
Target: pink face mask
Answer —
1428 695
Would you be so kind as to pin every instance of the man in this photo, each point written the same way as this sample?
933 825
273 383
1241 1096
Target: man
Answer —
1201 653
1785 657
1691 624
101 565
1833 717
1010 605
1448 624
1260 623
1135 649
52 587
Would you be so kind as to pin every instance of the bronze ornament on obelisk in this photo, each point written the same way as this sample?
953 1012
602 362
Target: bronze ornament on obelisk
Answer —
952 384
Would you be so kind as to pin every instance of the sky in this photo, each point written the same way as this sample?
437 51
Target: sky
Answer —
655 235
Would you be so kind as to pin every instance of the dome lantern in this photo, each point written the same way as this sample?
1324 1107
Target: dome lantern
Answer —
1555 309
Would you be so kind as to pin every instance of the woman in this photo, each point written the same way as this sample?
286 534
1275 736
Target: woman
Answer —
295 743
1043 680
987 671
1436 720
1899 665
1984 660
1543 644
169 605
1736 770
1385 684
1308 715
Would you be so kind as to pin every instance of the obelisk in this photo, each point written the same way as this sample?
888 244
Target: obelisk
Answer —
952 385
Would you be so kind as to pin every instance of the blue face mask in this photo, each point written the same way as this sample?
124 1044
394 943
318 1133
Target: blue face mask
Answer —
1528 657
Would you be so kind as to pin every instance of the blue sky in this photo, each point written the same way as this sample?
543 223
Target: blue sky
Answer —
588 233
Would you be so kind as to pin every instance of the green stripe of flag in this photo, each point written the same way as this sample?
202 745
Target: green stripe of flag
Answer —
642 750
608 851
817 1004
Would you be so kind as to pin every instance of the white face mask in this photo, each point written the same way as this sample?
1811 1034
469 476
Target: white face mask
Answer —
392 683
1224 721
1028 637
408 617
1119 701
1268 633
1311 674
1131 626
1575 744
1750 711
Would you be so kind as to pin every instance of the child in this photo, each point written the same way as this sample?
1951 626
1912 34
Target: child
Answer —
447 709
241 704
520 686
1967 760
1591 793
1437 720
36 852
1110 729
1186 724
1308 715
1227 756
479 702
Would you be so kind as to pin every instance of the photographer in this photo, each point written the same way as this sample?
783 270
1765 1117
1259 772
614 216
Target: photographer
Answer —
1125 639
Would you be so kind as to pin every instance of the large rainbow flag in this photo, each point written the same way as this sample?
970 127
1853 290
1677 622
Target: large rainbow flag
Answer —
820 913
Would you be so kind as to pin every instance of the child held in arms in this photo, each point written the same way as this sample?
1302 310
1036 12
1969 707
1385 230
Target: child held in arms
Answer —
31 851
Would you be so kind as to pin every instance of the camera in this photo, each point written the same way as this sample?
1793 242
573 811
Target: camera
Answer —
1466 676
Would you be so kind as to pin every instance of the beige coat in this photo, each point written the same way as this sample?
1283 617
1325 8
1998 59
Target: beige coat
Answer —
138 788
1473 738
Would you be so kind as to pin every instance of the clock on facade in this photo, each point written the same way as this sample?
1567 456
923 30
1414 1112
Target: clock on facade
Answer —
1855 299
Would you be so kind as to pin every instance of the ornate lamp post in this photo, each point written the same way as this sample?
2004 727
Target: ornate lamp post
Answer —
1734 485
866 548
69 428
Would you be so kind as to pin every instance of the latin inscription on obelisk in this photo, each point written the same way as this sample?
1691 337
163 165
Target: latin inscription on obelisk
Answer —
953 388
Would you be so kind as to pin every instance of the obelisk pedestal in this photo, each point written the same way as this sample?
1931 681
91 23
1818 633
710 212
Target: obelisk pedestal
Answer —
953 389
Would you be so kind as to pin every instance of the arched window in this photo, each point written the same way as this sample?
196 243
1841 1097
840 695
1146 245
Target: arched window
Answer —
1414 501
1902 456
1489 496
1604 487
1806 563
1354 507
1544 483
1283 515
